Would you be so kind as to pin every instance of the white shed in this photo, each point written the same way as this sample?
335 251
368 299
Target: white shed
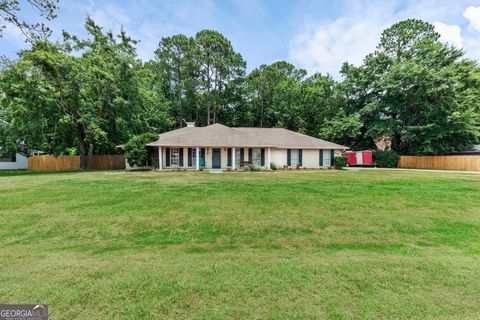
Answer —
14 161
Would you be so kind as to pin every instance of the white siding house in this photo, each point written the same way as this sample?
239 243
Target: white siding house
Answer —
12 161
221 147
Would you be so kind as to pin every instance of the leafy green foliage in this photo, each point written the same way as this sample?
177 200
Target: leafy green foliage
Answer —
93 94
341 162
201 75
416 91
136 152
386 158
341 128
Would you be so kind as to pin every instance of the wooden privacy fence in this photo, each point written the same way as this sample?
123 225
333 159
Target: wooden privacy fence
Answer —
66 163
108 162
52 163
469 163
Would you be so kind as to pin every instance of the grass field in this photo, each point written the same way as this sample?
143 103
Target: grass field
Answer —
297 245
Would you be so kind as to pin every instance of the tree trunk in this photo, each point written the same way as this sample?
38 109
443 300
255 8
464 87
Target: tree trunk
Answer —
208 113
81 147
180 107
261 114
209 105
89 159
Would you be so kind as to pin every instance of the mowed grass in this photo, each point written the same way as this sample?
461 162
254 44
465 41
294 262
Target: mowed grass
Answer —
287 245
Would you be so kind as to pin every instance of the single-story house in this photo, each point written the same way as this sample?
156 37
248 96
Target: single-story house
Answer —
220 147
15 161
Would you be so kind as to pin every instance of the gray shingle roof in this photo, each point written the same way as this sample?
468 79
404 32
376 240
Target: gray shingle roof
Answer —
217 135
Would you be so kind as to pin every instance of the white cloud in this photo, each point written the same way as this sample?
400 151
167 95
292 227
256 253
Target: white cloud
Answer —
451 34
473 15
150 26
322 46
326 45
110 17
14 35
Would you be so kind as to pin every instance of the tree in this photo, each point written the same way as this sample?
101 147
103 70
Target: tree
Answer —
176 65
9 14
29 105
320 101
90 93
271 89
417 91
220 69
401 39
342 129
136 151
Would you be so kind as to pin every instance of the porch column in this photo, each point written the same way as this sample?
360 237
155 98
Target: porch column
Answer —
197 159
160 158
233 158
268 158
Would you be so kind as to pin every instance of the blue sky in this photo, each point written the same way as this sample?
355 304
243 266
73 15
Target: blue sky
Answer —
316 35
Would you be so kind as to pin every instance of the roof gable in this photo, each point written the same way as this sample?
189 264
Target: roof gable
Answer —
218 135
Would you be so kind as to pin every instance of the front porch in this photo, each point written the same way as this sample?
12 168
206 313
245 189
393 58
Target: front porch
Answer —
200 158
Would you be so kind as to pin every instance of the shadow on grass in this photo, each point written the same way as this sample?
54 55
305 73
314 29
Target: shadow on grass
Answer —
15 173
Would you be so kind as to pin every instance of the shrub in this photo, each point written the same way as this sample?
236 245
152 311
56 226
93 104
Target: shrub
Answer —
252 167
136 151
341 162
273 166
386 159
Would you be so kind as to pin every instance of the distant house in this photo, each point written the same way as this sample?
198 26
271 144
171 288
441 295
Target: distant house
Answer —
474 151
221 147
12 161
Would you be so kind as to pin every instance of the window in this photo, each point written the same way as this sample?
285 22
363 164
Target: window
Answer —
194 157
12 158
326 158
257 157
174 156
237 158
294 158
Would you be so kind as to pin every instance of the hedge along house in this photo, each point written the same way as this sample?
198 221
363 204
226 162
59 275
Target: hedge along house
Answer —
221 147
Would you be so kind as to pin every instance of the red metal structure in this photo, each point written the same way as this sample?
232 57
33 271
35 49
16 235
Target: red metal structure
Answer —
359 158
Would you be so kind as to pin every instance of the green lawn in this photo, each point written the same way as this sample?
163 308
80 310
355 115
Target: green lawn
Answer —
297 245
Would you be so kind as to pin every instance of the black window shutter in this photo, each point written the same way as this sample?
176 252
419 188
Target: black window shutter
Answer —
14 157
300 157
321 158
249 154
180 152
242 156
229 157
289 157
167 156
262 153
332 158
202 157
189 157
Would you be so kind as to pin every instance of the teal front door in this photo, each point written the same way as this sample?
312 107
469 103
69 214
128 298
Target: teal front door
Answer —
216 158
